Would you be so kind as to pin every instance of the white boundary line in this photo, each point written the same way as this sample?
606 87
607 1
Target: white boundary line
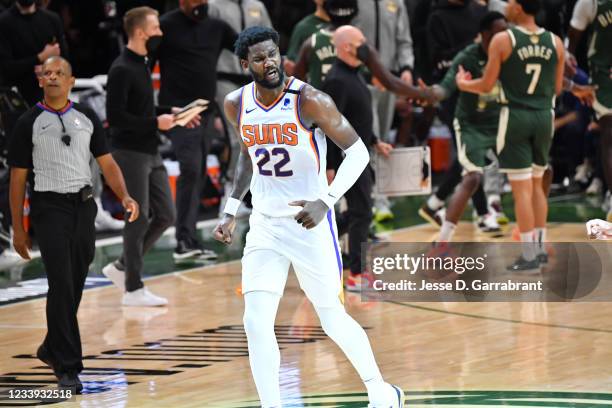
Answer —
149 278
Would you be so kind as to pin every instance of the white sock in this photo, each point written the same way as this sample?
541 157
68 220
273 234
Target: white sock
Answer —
527 247
353 341
259 314
540 234
494 198
446 231
434 202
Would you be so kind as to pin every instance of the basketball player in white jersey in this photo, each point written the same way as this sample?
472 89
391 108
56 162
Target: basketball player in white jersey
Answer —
282 161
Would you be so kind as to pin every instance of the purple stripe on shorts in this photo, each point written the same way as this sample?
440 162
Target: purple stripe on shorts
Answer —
335 242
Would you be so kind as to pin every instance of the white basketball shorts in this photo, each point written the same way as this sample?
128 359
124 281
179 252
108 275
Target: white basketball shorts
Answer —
274 243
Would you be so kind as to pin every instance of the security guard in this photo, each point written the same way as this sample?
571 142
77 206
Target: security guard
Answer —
55 139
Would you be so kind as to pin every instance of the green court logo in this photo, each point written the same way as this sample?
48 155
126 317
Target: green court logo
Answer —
452 398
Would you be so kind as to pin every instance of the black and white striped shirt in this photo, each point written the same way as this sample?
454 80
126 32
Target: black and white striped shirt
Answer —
36 143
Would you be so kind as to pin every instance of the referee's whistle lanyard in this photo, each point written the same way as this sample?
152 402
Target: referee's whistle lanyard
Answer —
66 139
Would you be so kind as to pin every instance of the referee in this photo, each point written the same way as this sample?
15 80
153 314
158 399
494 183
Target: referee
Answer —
55 139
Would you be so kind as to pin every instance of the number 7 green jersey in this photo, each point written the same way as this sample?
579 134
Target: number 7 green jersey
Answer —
528 75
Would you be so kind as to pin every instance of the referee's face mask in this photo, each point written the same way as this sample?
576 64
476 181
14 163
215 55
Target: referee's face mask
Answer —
56 78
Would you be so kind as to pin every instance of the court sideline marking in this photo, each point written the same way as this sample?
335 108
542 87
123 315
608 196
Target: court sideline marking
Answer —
498 319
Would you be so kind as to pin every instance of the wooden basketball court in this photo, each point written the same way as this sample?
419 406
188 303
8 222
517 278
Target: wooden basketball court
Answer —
194 352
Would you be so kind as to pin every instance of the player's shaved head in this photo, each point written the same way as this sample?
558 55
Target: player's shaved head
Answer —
346 39
61 61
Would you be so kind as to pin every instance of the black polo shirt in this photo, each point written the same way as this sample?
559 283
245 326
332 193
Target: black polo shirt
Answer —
350 93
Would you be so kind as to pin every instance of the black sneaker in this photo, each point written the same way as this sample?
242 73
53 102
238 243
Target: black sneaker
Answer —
70 381
431 216
185 250
521 264
542 258
205 254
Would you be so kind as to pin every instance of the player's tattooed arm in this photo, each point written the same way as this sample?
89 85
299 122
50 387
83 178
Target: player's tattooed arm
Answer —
499 50
319 108
244 169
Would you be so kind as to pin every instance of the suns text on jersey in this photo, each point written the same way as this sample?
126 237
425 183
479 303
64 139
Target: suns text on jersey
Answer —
270 133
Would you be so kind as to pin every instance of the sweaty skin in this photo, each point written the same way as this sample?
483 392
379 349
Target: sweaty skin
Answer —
315 107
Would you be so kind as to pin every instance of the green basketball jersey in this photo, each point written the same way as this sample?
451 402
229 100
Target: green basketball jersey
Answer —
528 76
308 26
322 57
600 54
478 110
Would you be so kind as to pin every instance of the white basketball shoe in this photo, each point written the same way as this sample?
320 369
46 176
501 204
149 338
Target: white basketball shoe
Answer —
392 396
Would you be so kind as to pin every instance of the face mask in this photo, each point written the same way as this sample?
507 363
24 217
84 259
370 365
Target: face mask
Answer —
200 12
25 3
363 52
153 43
341 12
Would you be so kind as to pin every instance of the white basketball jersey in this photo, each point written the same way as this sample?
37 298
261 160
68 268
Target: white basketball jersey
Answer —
288 158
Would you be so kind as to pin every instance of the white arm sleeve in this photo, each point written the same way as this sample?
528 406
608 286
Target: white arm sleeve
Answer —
356 159
584 14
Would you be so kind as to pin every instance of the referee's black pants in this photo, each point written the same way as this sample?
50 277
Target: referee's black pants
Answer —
65 231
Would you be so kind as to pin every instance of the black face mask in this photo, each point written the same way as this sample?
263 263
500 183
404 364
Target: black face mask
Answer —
363 53
200 12
25 3
153 43
341 12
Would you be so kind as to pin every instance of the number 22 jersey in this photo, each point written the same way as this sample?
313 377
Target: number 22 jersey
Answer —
288 157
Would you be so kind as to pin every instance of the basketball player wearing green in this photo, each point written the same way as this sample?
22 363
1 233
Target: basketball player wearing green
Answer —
321 55
529 62
318 54
596 15
476 120
305 28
